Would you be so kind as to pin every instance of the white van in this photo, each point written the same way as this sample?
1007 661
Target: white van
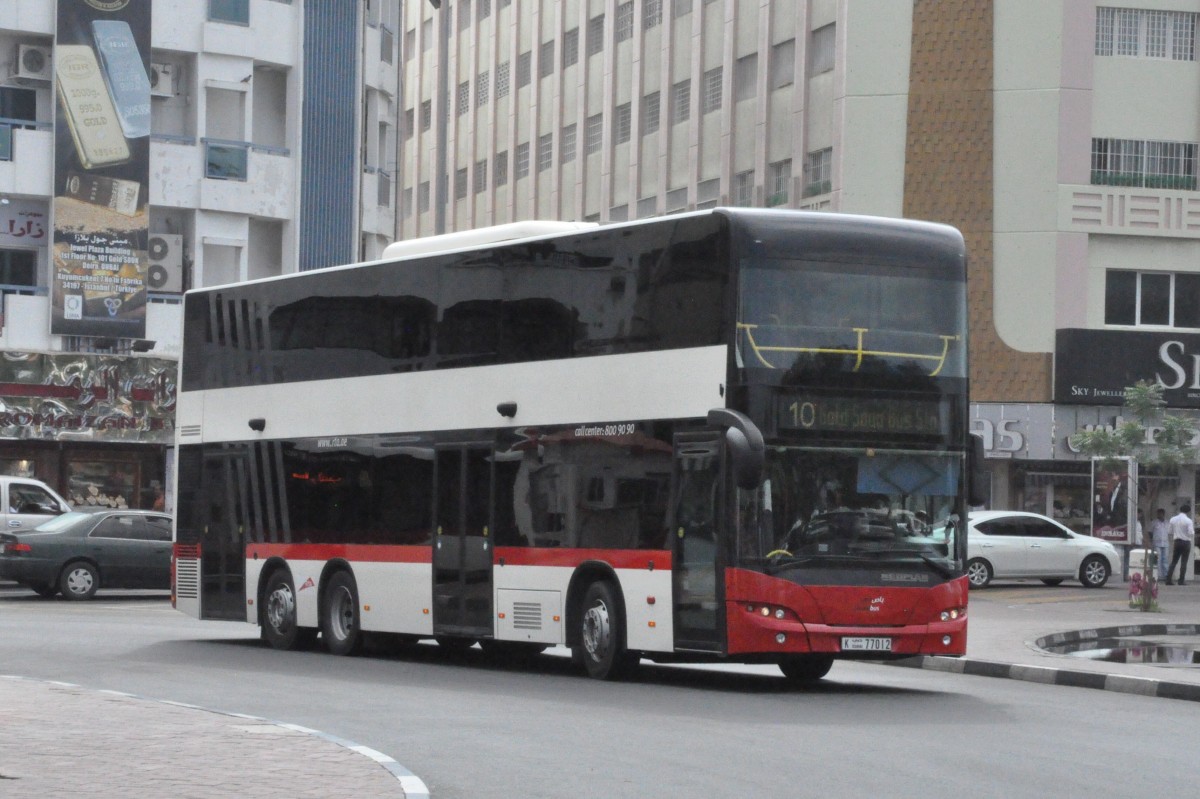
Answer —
25 503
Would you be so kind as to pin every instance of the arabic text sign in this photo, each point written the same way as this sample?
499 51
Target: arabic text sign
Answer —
23 224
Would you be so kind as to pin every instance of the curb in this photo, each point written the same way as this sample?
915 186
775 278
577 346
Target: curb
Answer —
411 784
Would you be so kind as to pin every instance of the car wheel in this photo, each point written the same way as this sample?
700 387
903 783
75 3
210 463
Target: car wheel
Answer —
1052 580
1094 572
979 572
804 669
79 580
339 615
279 625
602 635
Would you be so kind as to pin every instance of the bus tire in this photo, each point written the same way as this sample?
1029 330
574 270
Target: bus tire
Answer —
602 635
340 618
804 669
279 625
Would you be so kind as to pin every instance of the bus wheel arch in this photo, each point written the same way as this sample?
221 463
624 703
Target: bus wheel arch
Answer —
339 609
277 615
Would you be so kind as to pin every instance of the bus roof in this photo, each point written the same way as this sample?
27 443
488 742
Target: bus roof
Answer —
464 239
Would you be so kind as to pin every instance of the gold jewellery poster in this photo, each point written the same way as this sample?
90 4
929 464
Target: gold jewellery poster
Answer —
102 165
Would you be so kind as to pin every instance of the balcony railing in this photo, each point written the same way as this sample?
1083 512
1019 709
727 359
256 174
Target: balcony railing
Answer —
1142 181
8 125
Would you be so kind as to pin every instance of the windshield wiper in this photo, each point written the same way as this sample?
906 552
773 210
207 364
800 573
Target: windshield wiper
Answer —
939 567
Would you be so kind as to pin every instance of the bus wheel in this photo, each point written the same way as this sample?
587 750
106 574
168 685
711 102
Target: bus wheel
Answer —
602 635
805 669
279 625
339 615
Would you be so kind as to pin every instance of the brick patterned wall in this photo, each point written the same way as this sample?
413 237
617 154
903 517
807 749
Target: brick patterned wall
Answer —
948 176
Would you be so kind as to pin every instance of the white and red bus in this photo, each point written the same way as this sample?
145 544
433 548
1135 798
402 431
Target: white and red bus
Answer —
734 435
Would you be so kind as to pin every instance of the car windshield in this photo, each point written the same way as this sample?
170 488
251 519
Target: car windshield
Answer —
62 522
852 504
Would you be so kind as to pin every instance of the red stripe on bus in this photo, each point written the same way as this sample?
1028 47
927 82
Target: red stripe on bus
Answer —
510 556
359 553
617 558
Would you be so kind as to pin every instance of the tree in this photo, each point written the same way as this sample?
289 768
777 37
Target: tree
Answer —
1155 439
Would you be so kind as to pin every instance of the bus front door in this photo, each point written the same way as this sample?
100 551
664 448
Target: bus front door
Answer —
462 553
699 621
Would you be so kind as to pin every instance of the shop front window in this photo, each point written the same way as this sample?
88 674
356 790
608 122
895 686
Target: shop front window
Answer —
103 483
16 467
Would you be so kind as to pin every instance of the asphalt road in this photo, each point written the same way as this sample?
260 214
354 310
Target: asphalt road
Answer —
472 728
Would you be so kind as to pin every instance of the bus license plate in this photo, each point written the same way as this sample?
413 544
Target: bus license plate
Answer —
866 644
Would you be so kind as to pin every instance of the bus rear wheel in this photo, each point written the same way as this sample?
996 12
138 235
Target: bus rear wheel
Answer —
279 625
340 626
804 669
601 645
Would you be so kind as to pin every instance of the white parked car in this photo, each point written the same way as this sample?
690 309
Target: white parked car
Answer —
1003 544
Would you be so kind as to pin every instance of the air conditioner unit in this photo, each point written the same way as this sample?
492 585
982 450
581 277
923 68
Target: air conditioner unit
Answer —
162 80
165 275
34 63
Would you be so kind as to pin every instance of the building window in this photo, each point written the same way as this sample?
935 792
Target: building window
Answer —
1151 299
483 10
650 113
566 144
546 59
235 11
18 269
410 43
623 122
818 171
464 14
426 114
460 183
681 102
406 197
463 104
651 13
822 49
1148 164
711 99
779 180
545 152
745 78
594 134
1142 33
427 35
500 169
524 68
783 65
480 175
522 166
708 193
482 83
423 197
680 7
743 188
623 30
595 35
570 48
502 80
408 123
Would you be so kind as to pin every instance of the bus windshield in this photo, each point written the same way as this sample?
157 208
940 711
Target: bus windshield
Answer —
804 317
841 505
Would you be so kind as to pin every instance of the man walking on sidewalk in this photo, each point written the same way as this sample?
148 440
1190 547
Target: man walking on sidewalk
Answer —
1183 533
1161 538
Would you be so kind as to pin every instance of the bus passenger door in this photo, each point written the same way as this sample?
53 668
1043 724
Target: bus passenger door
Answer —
462 550
699 593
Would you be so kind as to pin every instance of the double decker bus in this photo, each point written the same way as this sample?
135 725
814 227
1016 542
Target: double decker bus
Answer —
734 435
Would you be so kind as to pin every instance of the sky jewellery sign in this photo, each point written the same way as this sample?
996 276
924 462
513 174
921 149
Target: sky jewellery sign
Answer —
1093 367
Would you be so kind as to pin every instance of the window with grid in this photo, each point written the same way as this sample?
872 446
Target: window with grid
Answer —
524 68
743 188
545 152
779 180
681 101
566 144
651 13
1146 33
624 27
680 8
500 169
818 172
546 59
502 80
483 82
423 197
595 35
460 183
463 104
426 114
650 113
710 100
1151 299
593 134
522 166
464 14
622 122
821 56
480 176
570 48
1144 163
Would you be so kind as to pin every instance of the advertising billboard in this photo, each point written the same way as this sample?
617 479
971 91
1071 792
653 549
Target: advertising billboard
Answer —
1114 499
102 167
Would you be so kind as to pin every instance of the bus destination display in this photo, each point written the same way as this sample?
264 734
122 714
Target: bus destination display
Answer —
860 414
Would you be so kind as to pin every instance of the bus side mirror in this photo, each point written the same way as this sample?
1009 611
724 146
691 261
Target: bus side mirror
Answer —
978 476
745 442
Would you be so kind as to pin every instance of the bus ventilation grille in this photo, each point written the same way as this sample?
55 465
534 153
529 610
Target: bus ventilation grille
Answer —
527 615
189 430
187 579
